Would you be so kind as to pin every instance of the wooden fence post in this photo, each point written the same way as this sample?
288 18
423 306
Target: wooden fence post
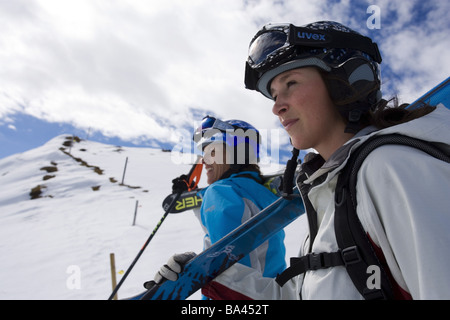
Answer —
135 212
113 273
124 170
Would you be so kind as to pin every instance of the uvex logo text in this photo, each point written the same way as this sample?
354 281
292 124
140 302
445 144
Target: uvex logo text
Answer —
311 36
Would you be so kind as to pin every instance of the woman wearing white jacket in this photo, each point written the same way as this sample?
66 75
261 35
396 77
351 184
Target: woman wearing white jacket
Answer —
324 80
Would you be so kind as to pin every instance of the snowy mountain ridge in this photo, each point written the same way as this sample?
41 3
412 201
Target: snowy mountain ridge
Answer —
57 245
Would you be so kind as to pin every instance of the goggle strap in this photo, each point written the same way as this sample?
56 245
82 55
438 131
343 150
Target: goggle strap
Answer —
333 39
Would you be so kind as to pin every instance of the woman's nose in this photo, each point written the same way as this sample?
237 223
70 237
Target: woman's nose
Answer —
279 107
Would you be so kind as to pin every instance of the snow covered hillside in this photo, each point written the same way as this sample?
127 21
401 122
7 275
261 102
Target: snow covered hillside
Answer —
57 246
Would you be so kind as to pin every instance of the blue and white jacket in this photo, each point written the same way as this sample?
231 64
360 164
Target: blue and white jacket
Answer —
226 204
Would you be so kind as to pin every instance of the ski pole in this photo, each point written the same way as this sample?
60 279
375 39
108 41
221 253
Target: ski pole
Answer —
166 213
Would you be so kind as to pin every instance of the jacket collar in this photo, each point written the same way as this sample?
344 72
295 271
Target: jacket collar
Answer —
315 166
244 174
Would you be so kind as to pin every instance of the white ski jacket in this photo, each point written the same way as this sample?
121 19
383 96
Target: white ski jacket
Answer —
403 202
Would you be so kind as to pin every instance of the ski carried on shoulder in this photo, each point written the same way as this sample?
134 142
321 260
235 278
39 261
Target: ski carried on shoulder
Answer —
439 94
230 249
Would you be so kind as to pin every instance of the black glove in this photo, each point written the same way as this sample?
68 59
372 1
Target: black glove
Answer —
170 271
180 184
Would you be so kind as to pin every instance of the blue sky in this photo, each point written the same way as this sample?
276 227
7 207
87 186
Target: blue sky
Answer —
144 72
26 132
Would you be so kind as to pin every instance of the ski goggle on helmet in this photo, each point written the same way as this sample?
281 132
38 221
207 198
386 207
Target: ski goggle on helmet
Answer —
242 137
327 45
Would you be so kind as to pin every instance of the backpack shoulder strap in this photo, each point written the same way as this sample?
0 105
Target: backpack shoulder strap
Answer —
350 235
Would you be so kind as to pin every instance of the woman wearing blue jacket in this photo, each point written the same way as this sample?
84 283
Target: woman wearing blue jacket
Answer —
234 195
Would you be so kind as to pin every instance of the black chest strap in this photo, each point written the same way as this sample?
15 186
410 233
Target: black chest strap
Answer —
316 261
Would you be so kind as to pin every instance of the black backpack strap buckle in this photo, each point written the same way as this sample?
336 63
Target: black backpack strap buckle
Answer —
350 255
311 261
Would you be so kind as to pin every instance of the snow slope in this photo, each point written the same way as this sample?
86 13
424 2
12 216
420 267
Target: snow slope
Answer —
58 245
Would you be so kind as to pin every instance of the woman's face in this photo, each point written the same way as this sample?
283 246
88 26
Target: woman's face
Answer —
306 111
214 160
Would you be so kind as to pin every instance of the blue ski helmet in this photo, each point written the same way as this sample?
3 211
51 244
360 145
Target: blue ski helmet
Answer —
240 135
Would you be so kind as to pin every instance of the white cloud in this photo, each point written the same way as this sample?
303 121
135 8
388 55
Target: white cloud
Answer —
135 68
414 45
